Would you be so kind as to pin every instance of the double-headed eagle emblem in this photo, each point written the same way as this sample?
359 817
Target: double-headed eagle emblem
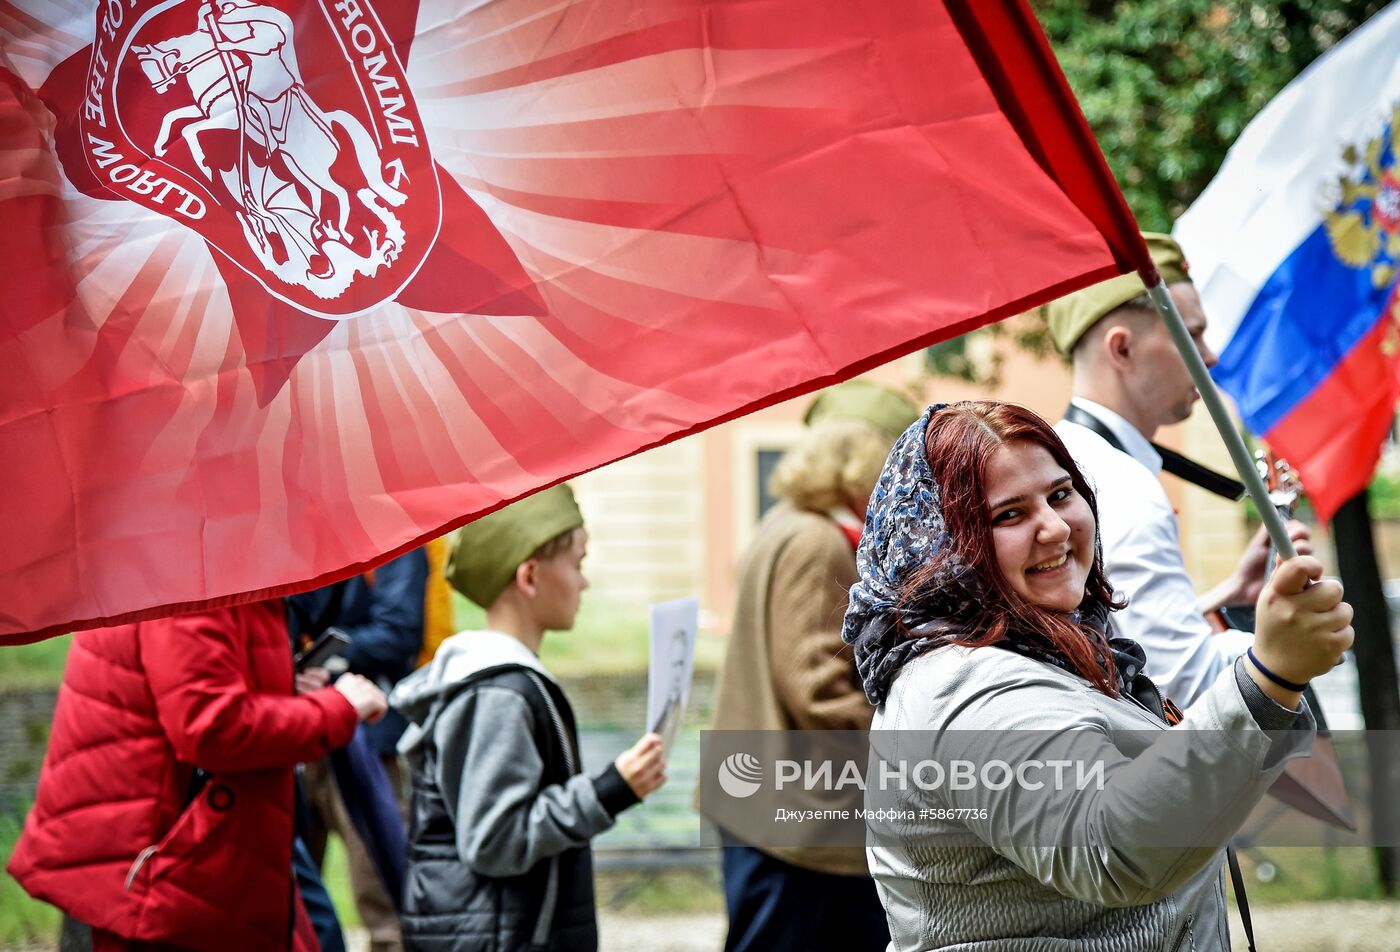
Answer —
1364 227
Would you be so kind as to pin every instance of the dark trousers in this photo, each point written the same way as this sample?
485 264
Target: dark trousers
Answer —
777 907
316 900
327 814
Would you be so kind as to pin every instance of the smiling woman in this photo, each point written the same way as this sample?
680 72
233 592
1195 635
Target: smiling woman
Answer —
1042 530
982 626
1022 518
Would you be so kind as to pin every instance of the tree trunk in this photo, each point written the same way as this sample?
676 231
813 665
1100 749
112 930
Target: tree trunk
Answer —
1375 672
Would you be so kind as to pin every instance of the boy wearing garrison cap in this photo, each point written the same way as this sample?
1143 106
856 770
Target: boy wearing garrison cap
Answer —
1129 380
501 815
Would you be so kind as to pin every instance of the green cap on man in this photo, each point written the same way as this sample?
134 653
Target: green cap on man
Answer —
1071 316
486 553
887 410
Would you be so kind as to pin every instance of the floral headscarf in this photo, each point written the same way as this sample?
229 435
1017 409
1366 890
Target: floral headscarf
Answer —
904 531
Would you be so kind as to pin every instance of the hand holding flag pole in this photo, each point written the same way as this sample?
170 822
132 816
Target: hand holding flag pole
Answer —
1313 786
1210 395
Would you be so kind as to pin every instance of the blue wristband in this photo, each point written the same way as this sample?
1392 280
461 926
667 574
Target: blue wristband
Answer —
1281 682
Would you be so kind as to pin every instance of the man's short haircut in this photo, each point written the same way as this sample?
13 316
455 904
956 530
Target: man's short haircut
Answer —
1139 312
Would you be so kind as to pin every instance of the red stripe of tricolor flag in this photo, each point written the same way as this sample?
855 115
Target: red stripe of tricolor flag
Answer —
661 215
1337 452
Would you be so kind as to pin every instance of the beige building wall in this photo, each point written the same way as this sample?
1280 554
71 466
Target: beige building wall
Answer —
646 523
674 521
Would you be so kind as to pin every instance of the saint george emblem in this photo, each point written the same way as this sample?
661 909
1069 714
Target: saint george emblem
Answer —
284 132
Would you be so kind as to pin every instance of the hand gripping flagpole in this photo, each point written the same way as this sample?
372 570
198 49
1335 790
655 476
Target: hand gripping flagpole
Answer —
1210 396
1304 793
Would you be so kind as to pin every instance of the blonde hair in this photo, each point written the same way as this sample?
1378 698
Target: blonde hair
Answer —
835 464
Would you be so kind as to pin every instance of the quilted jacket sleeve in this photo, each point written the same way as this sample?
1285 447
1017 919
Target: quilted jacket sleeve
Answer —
205 670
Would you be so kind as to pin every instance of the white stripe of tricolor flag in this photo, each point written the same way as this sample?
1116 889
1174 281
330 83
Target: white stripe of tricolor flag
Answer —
1273 188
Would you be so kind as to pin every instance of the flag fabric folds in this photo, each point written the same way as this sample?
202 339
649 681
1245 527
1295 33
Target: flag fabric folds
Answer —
291 285
1294 248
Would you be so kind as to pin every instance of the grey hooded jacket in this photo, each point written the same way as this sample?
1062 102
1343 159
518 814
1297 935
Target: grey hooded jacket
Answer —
499 807
1141 868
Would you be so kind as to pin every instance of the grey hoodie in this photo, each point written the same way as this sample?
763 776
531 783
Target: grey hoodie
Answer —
488 769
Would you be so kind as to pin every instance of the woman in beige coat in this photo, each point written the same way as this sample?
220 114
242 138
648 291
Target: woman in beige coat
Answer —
786 668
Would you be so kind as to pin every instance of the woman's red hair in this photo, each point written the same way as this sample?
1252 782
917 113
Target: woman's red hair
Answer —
960 443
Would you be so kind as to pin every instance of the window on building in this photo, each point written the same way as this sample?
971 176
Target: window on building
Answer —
766 461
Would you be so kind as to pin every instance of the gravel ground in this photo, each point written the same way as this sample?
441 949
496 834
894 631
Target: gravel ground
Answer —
1341 926
1345 925
694 933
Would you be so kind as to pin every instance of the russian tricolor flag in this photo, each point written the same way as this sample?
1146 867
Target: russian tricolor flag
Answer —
1294 249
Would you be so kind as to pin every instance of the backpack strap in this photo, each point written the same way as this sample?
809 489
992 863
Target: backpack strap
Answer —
539 939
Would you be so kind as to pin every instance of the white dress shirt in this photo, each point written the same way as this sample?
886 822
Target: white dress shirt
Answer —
1142 557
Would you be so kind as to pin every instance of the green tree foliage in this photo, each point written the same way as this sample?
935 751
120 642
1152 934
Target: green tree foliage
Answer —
1167 85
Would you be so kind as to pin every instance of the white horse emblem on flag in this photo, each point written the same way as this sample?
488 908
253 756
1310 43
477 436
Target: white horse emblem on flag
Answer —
293 211
317 184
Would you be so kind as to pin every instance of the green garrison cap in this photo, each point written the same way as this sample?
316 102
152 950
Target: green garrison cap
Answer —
1071 317
486 553
867 401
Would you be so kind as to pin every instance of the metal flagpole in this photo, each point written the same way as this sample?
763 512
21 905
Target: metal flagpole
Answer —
1210 396
1316 792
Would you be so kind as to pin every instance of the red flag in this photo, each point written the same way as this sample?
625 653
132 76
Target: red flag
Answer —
291 285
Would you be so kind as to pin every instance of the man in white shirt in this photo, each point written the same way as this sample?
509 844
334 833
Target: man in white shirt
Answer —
1129 380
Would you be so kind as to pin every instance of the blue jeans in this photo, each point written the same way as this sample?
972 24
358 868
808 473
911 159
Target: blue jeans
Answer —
777 907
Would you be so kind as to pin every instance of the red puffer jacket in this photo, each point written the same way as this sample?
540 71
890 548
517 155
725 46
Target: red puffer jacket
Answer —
111 839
